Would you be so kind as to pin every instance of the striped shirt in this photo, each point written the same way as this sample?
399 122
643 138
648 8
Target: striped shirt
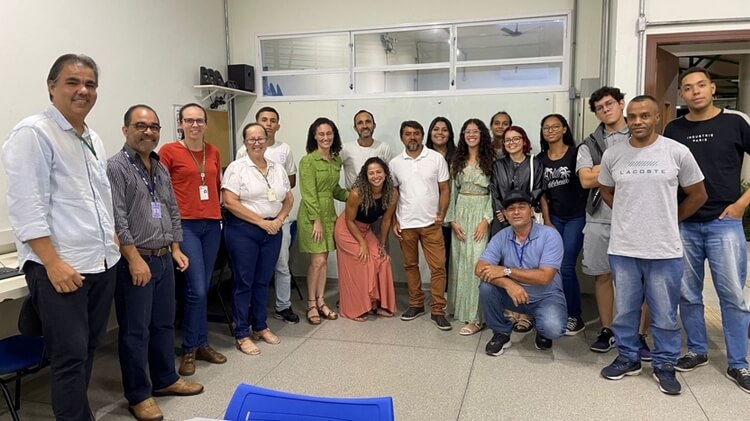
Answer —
135 220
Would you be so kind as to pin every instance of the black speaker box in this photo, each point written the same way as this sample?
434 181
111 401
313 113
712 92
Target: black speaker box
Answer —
243 75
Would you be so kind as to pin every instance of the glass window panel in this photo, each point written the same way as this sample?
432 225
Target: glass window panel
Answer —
318 84
513 76
511 40
329 51
402 81
402 47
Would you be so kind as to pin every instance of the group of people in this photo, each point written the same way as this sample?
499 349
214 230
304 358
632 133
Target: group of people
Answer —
501 231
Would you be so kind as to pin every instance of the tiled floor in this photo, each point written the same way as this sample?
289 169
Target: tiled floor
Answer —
431 375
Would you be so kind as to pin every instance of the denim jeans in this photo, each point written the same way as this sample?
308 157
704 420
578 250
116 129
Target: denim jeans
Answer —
571 231
549 313
145 315
658 281
282 276
253 253
200 243
723 243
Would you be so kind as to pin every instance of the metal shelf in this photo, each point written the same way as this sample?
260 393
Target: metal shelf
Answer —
229 93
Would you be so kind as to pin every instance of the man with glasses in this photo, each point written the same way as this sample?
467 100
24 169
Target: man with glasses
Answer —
60 209
147 222
354 154
279 152
520 270
718 138
607 103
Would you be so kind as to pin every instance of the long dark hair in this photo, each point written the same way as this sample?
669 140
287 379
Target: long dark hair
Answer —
312 144
450 146
486 153
567 137
365 189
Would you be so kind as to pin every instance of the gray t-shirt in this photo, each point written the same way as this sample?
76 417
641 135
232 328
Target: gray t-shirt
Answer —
602 214
644 216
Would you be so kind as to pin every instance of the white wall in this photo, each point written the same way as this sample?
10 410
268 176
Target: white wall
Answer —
147 51
625 51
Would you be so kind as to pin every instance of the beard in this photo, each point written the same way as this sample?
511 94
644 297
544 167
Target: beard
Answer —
413 146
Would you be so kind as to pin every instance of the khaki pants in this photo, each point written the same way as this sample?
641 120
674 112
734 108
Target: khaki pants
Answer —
431 238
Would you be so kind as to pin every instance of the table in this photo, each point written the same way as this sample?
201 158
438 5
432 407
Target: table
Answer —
15 287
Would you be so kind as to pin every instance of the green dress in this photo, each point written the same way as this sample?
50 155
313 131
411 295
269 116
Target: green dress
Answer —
319 185
467 210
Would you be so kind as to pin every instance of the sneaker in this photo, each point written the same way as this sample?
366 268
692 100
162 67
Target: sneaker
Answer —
645 350
574 326
441 322
604 342
541 343
691 361
620 368
498 343
412 313
741 376
665 377
287 315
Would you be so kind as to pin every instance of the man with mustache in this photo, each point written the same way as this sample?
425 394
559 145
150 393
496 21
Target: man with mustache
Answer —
60 209
147 222
354 154
421 176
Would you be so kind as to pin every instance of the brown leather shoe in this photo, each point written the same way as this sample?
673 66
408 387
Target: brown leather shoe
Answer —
146 410
187 364
181 387
209 354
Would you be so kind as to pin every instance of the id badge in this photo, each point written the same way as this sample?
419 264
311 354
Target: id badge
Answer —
156 210
271 195
203 190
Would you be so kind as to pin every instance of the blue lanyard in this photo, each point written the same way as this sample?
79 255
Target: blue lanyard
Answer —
519 254
145 177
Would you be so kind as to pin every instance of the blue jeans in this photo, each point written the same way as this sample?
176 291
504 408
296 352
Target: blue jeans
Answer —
200 243
571 231
254 253
723 243
146 337
549 313
658 281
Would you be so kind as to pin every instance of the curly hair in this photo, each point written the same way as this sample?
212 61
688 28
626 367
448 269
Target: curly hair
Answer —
365 189
526 140
450 145
312 144
486 153
567 137
600 93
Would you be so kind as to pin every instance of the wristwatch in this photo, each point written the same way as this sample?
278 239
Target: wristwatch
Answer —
507 272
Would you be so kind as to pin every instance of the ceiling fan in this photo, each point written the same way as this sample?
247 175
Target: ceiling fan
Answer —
511 32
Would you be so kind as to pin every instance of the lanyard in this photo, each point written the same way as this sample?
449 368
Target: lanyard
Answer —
519 253
89 145
201 168
150 186
265 177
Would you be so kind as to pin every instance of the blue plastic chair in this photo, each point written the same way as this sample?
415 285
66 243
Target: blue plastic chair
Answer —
253 403
19 355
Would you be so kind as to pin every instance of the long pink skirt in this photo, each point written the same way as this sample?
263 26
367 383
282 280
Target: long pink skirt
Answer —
362 286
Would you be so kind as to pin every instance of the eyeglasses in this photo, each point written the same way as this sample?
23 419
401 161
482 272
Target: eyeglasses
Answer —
191 121
256 139
607 105
553 128
142 127
514 139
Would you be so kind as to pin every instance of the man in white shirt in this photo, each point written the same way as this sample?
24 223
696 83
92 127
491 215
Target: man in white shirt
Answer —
60 209
279 152
421 176
354 154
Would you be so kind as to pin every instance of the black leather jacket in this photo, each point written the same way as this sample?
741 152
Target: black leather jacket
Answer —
508 176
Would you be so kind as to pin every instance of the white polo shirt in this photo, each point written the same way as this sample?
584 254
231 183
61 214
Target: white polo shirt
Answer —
244 179
417 180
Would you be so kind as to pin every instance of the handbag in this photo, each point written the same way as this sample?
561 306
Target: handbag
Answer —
538 217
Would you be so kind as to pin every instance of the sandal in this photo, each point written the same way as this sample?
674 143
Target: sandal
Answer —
326 312
471 328
267 336
512 316
362 318
314 318
383 312
524 324
246 346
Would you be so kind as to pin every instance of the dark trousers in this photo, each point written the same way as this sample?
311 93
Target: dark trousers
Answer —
73 325
146 318
254 253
